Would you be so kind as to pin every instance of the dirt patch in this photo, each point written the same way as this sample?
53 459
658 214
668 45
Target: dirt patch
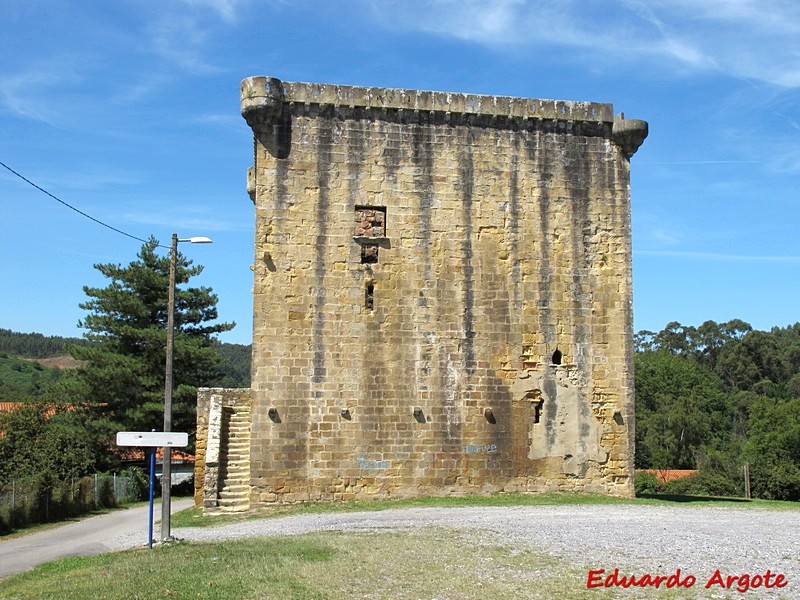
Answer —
56 362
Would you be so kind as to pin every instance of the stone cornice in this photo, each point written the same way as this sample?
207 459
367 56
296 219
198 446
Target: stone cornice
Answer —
263 98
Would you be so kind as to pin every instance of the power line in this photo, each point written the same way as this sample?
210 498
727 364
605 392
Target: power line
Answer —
80 212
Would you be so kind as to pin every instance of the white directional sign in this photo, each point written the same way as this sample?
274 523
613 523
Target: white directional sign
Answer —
153 438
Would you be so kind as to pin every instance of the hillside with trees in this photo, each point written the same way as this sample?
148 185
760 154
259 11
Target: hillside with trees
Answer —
21 379
31 362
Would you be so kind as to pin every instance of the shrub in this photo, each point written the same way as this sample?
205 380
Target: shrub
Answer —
647 483
703 483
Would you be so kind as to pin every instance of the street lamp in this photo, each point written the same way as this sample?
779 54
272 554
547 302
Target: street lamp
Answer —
166 469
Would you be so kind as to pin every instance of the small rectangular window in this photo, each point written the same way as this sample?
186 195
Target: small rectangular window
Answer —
370 223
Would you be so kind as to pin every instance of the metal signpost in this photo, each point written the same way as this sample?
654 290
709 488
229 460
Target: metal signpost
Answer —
153 440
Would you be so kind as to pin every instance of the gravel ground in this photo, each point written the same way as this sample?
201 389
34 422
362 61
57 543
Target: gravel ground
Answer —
635 539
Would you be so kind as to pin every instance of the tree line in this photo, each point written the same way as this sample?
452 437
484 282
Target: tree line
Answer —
717 397
35 345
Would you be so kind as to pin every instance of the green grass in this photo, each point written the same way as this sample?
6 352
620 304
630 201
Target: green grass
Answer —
193 517
433 563
754 503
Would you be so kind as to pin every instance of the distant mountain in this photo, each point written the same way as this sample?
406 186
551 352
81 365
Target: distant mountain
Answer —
37 355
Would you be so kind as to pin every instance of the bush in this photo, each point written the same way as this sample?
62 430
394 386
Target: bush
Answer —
139 482
184 488
647 483
703 483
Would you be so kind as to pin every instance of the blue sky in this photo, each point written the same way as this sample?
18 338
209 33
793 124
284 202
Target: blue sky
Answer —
129 110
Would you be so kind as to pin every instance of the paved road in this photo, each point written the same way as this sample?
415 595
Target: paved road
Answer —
117 530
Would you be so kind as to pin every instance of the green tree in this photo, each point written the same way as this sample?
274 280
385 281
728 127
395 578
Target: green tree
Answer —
773 448
676 339
717 396
234 366
34 345
680 409
24 378
43 440
122 377
702 344
755 363
712 337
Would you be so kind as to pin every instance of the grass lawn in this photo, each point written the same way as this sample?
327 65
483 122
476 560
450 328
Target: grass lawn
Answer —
386 565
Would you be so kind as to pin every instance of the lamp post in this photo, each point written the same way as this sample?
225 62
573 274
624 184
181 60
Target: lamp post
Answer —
166 469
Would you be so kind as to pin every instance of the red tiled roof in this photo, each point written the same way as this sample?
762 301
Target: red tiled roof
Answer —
11 406
137 454
665 475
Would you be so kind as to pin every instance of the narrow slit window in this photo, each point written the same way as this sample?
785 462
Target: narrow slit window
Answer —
557 357
369 296
536 400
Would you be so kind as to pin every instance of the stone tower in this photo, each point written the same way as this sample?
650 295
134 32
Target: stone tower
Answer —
442 299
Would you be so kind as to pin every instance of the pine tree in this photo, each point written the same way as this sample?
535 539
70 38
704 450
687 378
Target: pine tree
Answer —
123 372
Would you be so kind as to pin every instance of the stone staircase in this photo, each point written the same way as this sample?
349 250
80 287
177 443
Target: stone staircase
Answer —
234 460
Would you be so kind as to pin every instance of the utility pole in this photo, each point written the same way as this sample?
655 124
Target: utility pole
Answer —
166 468
166 464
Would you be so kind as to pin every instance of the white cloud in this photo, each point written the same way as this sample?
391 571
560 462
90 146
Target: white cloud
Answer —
179 39
661 236
701 162
717 256
182 33
229 121
227 9
750 39
202 220
786 161
30 93
132 55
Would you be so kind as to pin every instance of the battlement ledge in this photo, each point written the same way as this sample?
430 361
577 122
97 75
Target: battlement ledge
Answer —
268 93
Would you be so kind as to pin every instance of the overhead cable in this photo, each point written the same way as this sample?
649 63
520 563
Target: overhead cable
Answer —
80 212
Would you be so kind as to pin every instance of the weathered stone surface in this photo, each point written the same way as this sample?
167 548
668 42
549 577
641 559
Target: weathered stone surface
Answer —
442 298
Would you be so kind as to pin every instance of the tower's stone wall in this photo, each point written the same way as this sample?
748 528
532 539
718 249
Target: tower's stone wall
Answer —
442 299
